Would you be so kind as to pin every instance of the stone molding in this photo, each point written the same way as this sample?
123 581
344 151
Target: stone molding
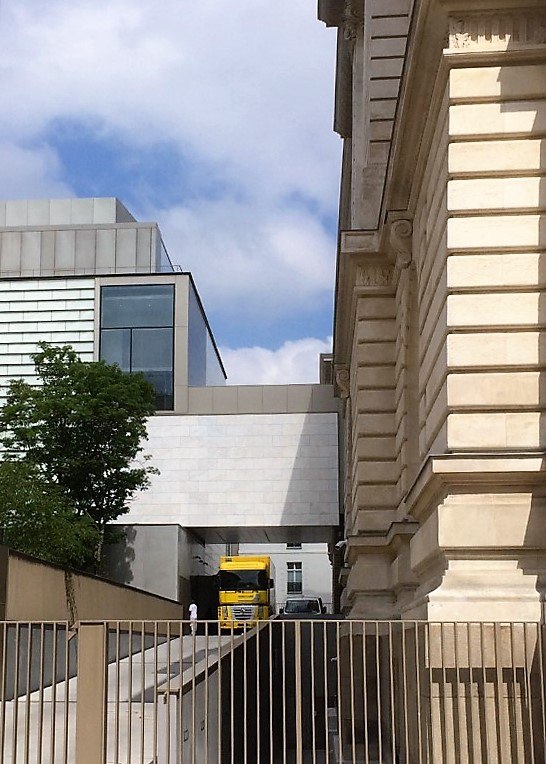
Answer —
374 275
342 380
400 242
498 30
353 19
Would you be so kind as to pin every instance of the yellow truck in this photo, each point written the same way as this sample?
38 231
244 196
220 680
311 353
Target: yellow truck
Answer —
246 590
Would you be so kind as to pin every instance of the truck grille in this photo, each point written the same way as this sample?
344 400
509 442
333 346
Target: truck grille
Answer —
243 612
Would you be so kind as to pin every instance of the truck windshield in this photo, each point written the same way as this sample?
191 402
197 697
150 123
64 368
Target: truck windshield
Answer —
237 580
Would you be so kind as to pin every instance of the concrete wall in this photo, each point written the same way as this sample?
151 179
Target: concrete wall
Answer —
161 559
37 591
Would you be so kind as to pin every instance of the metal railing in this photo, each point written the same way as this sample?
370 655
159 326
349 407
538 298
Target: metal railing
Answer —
290 691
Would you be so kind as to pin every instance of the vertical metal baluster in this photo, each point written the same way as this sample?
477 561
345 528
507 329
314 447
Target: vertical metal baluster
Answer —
270 625
405 689
142 688
326 721
53 692
206 692
3 701
39 742
418 684
497 662
339 704
443 691
219 700
117 686
232 710
283 630
428 648
378 677
461 709
16 694
258 703
66 693
130 694
169 699
391 684
298 691
193 734
540 636
483 732
352 685
27 694
313 712
245 695
365 693
155 690
528 691
514 682
179 720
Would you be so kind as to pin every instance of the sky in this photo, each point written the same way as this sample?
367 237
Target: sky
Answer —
213 119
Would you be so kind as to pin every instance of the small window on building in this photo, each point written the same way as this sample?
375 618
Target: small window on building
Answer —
293 545
294 578
137 327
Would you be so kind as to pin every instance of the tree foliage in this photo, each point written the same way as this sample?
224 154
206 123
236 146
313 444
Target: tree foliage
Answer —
37 519
81 430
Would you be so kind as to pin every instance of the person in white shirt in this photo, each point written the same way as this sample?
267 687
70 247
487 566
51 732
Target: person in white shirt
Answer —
193 618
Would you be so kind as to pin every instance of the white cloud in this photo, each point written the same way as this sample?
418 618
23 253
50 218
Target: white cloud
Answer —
30 173
242 87
294 362
249 258
236 81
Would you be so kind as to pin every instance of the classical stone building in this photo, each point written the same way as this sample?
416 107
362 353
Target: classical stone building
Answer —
440 342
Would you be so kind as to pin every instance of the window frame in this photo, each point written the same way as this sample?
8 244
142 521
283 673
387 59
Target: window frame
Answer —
294 567
130 329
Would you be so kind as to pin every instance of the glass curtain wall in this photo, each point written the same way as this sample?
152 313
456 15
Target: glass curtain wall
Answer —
204 366
137 334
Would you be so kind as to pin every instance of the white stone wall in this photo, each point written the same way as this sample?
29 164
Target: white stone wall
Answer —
241 470
60 311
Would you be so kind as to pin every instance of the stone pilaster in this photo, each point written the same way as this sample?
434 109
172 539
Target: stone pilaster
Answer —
479 499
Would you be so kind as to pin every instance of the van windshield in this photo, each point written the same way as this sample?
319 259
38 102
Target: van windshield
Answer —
302 606
243 580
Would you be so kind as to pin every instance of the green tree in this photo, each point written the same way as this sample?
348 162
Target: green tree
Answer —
36 518
82 430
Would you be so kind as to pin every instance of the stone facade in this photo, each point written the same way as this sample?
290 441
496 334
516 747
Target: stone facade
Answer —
439 341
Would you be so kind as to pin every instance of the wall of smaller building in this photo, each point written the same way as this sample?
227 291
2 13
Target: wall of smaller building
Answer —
316 569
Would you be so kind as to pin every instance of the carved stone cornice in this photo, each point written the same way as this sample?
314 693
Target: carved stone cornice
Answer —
496 30
400 242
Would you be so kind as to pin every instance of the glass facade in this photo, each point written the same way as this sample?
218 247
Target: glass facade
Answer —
204 367
137 333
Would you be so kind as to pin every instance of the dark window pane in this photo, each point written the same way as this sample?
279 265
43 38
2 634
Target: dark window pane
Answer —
115 347
152 354
140 305
152 350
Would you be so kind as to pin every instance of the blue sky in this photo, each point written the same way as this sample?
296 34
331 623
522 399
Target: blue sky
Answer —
213 119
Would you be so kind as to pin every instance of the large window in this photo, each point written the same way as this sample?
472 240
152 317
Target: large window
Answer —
137 334
294 578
